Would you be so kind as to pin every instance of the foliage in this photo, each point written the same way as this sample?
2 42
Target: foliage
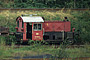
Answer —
45 4
82 24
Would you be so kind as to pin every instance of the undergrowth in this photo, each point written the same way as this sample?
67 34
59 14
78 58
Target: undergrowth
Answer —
38 49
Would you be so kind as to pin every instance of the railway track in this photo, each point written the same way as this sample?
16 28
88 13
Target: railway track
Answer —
48 56
40 9
54 46
80 58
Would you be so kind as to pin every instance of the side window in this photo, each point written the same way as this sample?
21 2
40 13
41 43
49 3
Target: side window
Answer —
22 24
18 23
37 27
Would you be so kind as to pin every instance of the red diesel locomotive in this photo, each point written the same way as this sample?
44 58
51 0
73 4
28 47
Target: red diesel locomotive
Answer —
36 28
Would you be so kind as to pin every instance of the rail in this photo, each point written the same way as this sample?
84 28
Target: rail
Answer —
79 58
39 9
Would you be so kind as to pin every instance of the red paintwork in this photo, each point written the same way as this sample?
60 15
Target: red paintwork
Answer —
67 26
37 35
24 33
47 26
57 26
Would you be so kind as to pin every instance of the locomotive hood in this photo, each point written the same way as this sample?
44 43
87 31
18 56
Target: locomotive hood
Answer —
32 19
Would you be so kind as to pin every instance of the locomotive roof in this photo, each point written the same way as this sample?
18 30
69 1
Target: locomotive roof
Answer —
32 19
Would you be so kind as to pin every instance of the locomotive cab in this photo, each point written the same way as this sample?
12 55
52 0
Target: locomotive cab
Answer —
29 27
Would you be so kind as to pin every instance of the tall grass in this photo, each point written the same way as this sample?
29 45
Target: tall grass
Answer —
4 49
39 49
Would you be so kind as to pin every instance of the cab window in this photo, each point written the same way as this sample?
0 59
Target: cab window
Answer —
37 27
18 23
